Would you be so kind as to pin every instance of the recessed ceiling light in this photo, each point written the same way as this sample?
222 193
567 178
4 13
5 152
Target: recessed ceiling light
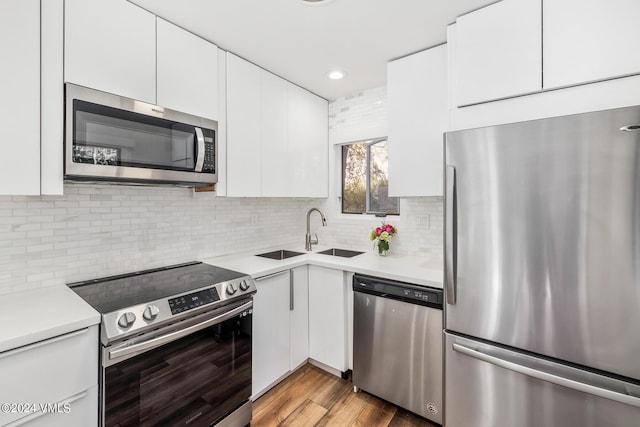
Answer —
315 2
336 75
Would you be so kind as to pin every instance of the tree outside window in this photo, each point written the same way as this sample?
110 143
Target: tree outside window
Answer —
365 179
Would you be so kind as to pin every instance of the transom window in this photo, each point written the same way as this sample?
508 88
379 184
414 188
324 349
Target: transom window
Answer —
365 179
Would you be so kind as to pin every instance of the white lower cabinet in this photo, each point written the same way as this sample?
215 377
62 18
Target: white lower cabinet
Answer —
299 315
280 336
328 317
58 376
80 410
270 334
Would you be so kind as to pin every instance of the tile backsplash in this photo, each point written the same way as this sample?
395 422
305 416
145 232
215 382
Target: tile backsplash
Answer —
420 229
359 116
99 230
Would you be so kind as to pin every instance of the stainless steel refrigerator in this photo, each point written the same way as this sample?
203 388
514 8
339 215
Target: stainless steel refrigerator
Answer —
542 273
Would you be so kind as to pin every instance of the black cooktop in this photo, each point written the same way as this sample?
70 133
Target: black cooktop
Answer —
118 292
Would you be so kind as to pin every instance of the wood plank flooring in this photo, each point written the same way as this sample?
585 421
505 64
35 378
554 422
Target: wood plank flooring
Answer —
312 397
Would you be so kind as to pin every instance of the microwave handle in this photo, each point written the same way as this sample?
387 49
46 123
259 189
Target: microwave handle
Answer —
200 154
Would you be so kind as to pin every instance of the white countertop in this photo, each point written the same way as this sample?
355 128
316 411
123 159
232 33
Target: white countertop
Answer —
405 268
39 314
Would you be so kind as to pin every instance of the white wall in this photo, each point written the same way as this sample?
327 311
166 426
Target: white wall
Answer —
360 116
100 230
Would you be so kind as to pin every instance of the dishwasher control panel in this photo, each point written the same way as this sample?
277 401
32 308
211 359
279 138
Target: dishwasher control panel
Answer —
398 290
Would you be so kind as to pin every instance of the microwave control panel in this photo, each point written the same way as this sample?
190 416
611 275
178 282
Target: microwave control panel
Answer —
209 165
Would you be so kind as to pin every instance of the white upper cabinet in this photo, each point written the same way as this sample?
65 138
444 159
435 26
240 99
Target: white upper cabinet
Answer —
273 131
31 39
243 128
20 106
418 117
187 71
111 46
499 52
308 122
590 40
277 135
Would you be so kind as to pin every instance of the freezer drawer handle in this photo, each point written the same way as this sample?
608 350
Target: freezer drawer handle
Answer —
545 376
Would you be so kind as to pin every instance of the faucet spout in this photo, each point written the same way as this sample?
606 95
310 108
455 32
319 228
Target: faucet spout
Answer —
308 241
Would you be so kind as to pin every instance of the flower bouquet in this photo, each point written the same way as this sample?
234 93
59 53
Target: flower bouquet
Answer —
381 237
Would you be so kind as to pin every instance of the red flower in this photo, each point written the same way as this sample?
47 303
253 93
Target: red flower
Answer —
389 228
378 231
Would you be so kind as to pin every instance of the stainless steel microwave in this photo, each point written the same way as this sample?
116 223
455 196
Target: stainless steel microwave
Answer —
115 139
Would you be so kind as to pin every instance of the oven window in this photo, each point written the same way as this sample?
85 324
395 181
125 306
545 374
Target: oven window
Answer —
194 381
109 136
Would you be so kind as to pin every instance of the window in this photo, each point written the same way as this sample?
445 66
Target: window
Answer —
365 179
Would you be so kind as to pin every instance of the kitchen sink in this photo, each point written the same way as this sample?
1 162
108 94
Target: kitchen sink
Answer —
281 254
340 252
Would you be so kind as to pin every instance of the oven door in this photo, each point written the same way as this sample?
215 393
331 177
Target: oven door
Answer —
112 138
195 374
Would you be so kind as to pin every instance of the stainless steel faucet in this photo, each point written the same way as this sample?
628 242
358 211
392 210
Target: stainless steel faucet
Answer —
308 242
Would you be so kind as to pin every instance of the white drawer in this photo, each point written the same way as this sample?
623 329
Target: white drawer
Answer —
49 371
80 410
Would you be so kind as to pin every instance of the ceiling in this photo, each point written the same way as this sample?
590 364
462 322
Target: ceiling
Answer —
302 42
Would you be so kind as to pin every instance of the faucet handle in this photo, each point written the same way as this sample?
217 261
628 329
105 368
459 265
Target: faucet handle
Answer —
314 241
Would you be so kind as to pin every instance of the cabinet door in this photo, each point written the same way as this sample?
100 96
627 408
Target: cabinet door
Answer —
243 128
327 317
52 97
308 143
187 71
273 130
590 40
50 371
499 51
418 117
299 316
270 334
111 46
20 106
80 410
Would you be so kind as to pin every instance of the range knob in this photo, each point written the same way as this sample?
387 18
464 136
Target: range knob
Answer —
244 285
231 289
151 312
126 320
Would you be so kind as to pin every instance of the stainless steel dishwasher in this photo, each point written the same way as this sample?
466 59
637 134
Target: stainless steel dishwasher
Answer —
397 343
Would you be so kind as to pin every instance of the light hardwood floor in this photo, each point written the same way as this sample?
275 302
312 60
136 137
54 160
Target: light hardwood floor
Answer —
312 397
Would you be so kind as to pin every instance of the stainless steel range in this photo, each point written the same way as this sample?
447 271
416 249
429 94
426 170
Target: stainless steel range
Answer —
176 345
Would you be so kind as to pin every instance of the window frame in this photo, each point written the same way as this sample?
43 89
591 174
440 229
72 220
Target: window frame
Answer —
343 163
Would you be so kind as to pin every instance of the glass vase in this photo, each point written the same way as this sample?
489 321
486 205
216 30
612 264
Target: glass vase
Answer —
382 251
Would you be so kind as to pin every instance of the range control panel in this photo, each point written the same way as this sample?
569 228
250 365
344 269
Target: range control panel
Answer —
194 300
398 290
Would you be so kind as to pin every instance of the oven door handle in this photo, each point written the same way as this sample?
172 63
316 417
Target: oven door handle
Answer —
164 339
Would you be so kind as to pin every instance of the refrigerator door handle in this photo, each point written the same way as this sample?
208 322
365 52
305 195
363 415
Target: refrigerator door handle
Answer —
450 234
551 378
